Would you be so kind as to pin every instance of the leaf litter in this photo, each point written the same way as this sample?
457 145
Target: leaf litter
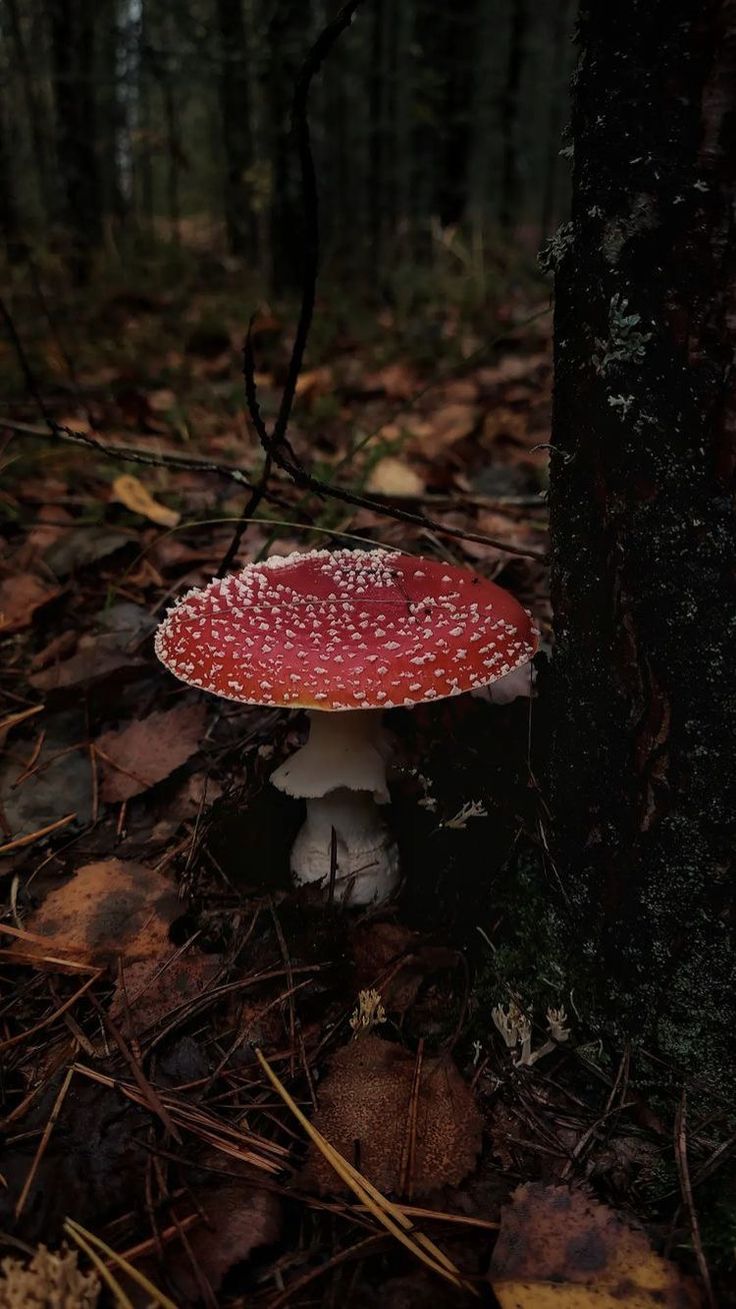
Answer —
194 976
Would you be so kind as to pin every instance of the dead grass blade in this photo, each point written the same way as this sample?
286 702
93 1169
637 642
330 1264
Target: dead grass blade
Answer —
87 1240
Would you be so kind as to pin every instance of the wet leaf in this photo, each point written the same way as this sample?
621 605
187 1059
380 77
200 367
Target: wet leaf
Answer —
131 492
364 1112
135 757
560 1249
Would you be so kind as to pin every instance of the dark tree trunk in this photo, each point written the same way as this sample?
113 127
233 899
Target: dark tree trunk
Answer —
32 107
173 156
461 32
111 116
73 39
143 153
510 109
561 26
234 104
377 140
643 777
9 217
288 43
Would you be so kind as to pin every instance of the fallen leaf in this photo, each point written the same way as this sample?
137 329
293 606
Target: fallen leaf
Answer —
150 988
97 658
79 548
135 496
506 424
119 913
398 381
395 961
135 757
104 910
392 476
162 401
460 389
448 425
20 597
314 381
560 1248
511 368
59 783
236 1219
364 1113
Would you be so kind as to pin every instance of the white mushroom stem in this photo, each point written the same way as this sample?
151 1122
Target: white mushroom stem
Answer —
341 773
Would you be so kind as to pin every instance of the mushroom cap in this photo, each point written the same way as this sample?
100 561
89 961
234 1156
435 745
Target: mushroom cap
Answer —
353 629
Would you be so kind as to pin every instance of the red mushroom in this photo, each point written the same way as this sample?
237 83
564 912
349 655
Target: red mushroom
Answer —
345 635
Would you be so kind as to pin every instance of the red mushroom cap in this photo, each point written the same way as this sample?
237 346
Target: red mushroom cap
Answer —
363 629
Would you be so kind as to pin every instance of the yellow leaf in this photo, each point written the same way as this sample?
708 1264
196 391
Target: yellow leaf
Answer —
391 476
560 1249
133 494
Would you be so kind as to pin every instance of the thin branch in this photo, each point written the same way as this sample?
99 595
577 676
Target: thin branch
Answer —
309 483
274 442
276 447
128 453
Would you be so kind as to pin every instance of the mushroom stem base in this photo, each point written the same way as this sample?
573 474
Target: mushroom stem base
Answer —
367 861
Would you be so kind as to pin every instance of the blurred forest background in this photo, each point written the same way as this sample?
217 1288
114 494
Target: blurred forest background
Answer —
128 125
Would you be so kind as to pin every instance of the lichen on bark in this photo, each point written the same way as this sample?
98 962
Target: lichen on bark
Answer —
642 521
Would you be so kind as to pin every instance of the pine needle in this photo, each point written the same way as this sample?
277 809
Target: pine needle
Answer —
86 1240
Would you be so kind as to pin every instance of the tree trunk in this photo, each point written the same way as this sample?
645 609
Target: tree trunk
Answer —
510 178
461 36
234 103
643 767
73 39
562 19
288 43
10 225
32 107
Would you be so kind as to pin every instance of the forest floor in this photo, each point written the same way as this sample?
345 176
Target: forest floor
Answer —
154 952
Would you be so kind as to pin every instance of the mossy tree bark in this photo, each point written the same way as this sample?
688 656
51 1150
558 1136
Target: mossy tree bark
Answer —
644 759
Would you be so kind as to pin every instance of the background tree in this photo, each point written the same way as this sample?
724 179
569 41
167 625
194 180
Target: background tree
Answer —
643 769
73 31
163 117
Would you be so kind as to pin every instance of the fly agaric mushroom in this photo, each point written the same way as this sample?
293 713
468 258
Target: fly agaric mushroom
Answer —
345 635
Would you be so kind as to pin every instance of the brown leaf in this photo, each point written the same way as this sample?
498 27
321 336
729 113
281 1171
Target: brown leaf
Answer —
448 425
106 909
505 424
512 368
315 381
560 1248
131 492
395 962
149 988
144 752
20 597
237 1219
364 1113
117 913
398 381
98 657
